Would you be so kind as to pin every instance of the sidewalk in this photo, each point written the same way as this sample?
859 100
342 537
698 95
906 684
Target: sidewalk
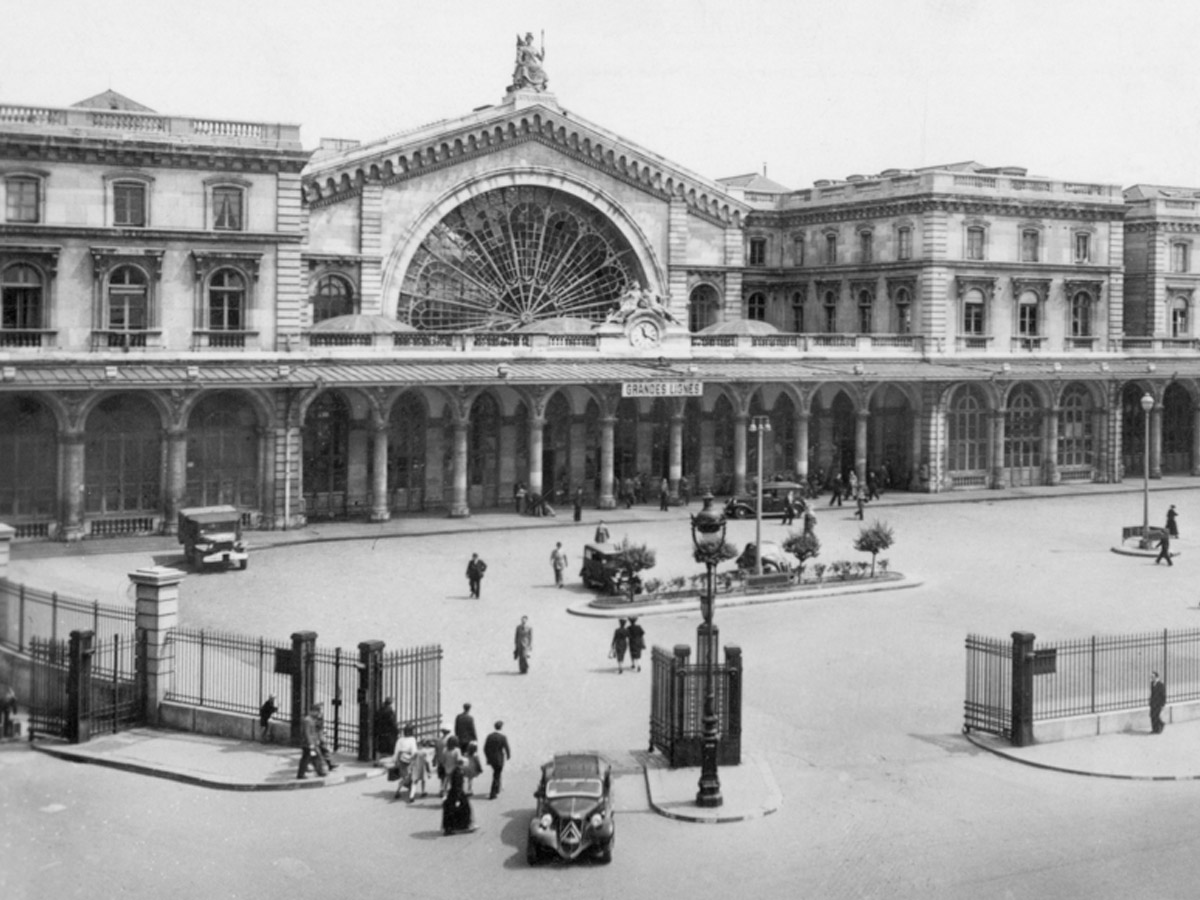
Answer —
749 790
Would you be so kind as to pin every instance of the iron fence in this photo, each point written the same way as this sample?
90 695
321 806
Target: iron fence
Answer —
49 703
413 679
26 613
335 685
677 708
229 672
988 704
1108 673
116 699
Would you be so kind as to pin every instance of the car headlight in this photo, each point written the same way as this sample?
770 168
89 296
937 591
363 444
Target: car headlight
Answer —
597 820
546 821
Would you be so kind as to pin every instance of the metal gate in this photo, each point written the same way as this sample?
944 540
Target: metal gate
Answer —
677 707
988 705
49 703
116 699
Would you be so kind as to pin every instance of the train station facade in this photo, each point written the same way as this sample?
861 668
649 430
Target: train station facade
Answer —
202 312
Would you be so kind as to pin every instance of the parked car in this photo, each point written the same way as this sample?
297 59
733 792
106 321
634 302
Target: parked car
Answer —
212 534
774 558
774 494
601 570
574 814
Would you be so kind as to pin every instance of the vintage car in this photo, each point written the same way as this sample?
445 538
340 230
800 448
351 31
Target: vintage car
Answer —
602 572
774 499
212 534
574 814
774 558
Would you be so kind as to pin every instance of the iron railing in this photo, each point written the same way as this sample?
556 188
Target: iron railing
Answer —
48 704
1112 672
229 672
413 679
116 699
988 704
27 612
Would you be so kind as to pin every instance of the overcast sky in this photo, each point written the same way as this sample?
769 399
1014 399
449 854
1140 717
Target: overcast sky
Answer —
1088 90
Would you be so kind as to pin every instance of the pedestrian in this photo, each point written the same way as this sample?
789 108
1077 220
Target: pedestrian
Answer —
872 485
836 487
620 643
627 488
440 744
464 727
637 643
311 750
789 508
387 729
8 710
475 569
685 491
602 534
322 744
664 495
473 768
859 502
496 753
456 808
1158 699
810 522
579 504
1172 525
265 712
523 641
1164 548
518 497
558 562
404 757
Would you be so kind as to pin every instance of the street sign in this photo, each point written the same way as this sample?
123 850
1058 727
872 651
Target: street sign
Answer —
662 388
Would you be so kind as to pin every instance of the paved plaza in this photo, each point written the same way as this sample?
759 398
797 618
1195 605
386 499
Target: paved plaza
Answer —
853 707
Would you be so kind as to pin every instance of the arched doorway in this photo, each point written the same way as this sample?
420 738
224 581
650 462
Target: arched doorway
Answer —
28 464
1076 435
723 426
222 453
407 423
1133 430
123 460
1023 437
556 448
625 440
1178 422
889 444
326 452
842 425
967 438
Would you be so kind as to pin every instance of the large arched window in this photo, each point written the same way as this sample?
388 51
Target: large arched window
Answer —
28 459
829 304
756 307
903 299
1081 314
968 433
407 427
1075 435
222 454
123 457
332 297
702 311
326 455
865 301
1023 430
128 299
1180 323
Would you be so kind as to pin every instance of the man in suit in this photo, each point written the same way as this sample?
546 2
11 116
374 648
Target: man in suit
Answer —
523 647
1158 699
464 726
496 753
1164 549
475 569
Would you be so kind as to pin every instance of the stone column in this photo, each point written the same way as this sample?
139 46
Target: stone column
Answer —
1022 688
801 462
676 455
739 453
916 452
708 469
577 459
381 508
537 432
861 418
608 425
157 594
997 460
73 487
1050 448
176 452
459 508
1155 448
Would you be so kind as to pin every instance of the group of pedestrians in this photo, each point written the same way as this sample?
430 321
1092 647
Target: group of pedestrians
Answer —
629 638
315 751
459 766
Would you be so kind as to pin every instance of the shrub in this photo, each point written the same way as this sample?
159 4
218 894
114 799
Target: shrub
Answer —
802 545
819 571
874 539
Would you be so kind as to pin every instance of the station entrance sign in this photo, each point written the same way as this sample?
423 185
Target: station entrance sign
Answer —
662 388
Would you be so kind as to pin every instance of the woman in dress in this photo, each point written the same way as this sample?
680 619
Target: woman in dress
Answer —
456 808
620 643
403 759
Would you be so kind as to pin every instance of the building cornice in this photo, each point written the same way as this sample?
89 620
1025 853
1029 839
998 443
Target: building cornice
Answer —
130 152
144 235
855 212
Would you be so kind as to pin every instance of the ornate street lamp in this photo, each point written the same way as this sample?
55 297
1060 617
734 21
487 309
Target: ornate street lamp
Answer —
708 536
1147 405
760 425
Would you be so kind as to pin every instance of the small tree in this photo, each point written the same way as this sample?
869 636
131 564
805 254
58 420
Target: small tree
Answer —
633 558
804 546
874 540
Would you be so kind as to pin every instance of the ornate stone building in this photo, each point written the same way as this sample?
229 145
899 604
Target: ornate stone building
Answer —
199 311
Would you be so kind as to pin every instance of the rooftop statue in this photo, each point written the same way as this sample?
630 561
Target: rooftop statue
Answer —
528 72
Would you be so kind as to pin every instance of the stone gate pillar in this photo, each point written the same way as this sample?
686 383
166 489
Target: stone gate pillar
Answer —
157 593
1022 688
79 695
304 645
370 696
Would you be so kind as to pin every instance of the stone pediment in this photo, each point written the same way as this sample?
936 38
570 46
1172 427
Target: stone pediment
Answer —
493 129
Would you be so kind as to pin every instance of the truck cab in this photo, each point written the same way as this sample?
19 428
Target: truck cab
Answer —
212 534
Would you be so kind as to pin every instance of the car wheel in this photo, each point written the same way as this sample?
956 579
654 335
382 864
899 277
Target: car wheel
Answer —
242 565
605 853
741 513
532 855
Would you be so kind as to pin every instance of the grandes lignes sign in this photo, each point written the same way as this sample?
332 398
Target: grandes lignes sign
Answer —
662 388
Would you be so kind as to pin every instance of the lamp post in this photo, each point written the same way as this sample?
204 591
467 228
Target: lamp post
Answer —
1147 405
708 535
759 425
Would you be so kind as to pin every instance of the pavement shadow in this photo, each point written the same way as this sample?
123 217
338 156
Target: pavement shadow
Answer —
954 744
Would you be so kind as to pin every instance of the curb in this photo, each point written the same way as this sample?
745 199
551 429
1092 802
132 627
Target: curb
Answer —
995 751
210 781
770 805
